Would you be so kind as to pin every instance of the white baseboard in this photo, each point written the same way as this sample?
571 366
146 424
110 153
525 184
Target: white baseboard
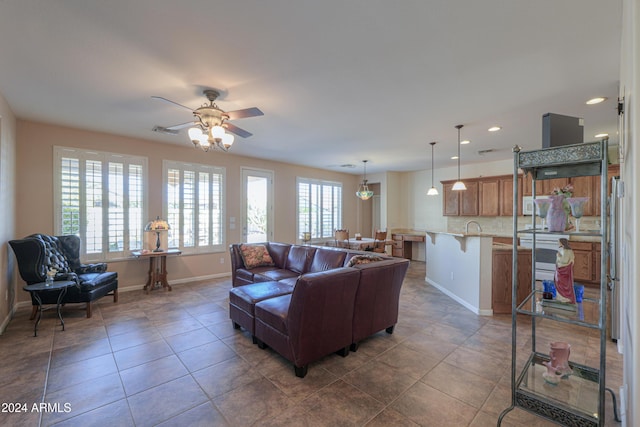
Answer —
459 300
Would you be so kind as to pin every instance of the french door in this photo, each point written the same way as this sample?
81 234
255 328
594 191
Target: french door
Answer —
257 205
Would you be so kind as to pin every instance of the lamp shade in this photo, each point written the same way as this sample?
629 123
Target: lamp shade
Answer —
157 225
433 191
459 186
195 134
217 132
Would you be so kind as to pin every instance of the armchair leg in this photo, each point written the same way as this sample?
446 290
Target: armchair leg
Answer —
115 295
89 310
34 311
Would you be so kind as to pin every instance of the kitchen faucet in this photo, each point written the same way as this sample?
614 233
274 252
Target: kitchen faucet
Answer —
466 226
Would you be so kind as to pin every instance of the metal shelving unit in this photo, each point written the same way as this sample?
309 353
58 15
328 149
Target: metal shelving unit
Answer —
578 400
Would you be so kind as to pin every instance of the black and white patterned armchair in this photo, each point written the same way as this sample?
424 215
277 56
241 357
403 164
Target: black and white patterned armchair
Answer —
39 253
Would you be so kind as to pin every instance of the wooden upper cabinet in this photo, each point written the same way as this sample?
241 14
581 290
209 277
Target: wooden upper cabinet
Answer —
469 199
588 186
450 203
548 185
506 195
526 185
460 203
544 187
489 196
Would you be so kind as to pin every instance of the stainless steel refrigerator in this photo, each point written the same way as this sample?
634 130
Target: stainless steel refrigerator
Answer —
614 257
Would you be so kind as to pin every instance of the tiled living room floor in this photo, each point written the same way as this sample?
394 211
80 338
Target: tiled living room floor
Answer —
174 359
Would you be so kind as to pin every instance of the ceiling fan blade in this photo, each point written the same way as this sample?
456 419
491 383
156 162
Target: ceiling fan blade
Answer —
172 102
181 126
247 112
236 130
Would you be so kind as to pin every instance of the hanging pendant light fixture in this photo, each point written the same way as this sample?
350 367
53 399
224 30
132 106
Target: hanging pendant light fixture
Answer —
433 191
363 191
459 185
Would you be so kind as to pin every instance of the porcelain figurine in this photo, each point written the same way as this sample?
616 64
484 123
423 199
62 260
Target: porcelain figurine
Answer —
558 367
564 273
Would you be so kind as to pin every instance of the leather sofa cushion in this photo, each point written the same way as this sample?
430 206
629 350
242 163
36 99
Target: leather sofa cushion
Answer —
90 281
273 312
278 274
325 259
299 259
279 253
246 297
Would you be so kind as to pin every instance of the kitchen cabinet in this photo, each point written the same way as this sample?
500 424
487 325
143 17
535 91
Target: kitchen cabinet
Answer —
577 399
543 188
583 264
469 199
505 201
501 277
460 203
489 197
486 196
450 200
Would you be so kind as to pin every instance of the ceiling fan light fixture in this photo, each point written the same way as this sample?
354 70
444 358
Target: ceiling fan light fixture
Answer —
217 133
195 134
227 140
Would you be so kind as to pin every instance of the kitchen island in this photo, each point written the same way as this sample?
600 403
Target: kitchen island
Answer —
468 267
459 265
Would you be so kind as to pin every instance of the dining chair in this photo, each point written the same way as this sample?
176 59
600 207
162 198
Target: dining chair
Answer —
380 241
342 238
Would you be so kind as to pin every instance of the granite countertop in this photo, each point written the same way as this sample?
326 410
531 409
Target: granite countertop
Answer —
470 234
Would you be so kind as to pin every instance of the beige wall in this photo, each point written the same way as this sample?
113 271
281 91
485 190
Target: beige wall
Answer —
7 204
34 200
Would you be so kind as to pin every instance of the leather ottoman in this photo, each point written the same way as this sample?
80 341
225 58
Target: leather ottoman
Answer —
243 299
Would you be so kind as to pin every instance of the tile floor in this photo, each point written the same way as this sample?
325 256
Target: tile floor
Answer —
174 359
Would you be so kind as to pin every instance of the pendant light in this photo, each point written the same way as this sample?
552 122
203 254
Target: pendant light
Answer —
459 185
433 191
363 191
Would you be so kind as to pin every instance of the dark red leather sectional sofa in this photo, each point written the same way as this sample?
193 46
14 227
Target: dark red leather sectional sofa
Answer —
313 301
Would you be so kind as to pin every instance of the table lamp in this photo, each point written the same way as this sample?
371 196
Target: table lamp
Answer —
157 226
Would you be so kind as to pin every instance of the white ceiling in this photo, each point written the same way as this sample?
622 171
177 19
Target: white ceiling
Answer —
338 81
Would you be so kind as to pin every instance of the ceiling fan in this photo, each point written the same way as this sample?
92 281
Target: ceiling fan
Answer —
211 124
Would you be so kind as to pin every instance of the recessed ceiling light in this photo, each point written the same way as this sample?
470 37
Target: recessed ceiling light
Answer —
596 100
494 128
464 142
454 157
601 135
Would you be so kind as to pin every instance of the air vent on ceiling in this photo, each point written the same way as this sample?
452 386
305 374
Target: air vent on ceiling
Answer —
483 152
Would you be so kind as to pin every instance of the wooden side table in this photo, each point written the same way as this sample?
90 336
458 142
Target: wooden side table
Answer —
36 289
157 268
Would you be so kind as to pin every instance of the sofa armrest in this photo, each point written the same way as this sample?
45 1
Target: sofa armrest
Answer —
30 256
